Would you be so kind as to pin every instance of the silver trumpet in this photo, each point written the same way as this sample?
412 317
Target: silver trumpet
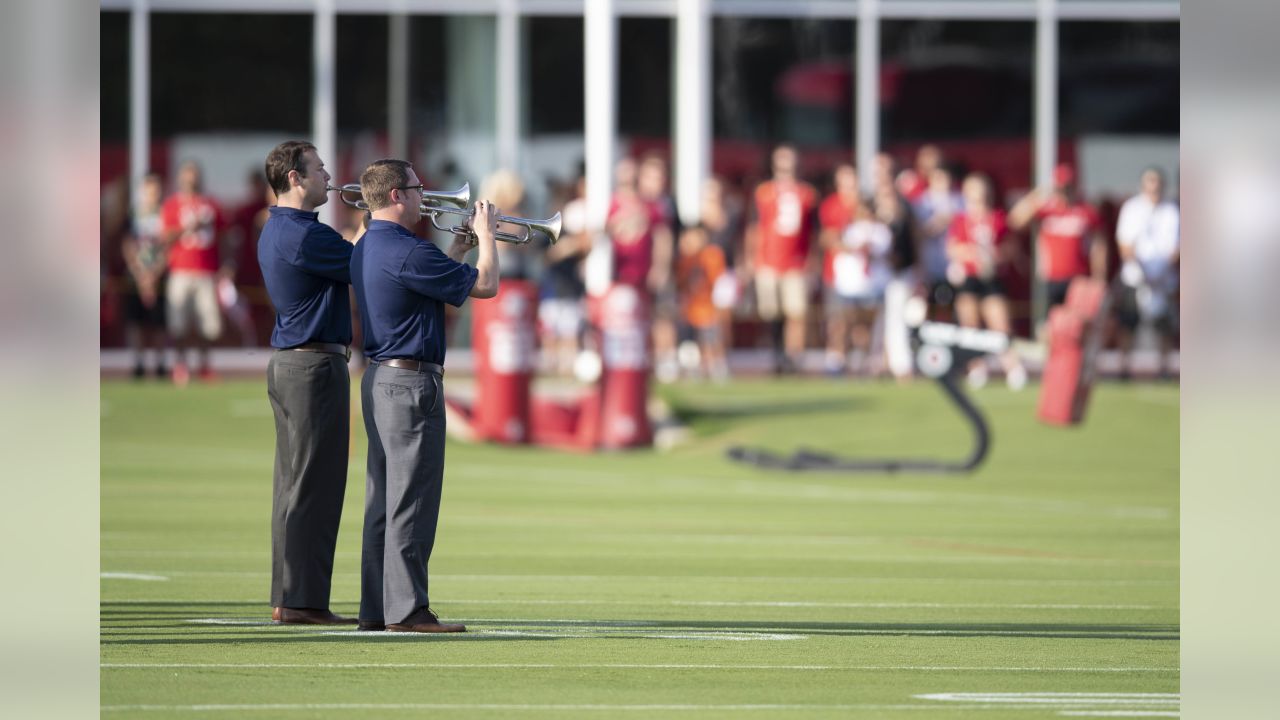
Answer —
430 199
549 227
436 204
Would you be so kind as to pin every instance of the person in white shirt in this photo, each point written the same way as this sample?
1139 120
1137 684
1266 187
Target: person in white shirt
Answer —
862 271
1147 237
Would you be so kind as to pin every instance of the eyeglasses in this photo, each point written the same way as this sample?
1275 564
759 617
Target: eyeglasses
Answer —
411 187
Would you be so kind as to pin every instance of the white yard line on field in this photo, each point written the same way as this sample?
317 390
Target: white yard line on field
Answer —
1056 698
854 579
637 666
975 559
805 604
733 603
1120 714
1073 704
852 560
587 633
827 708
890 630
132 576
770 540
606 629
881 605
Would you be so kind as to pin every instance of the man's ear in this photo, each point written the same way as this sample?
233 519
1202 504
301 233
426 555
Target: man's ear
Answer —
295 178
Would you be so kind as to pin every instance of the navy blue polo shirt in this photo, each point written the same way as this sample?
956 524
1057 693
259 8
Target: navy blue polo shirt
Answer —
307 267
402 284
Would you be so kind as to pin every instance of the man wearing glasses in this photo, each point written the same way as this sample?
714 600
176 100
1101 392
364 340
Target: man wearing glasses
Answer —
402 283
306 266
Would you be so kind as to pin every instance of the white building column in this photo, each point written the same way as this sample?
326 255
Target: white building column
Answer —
600 24
1046 92
323 103
398 85
1046 128
139 97
867 142
693 106
507 87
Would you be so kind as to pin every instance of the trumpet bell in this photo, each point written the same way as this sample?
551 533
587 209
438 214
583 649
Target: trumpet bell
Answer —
458 198
549 227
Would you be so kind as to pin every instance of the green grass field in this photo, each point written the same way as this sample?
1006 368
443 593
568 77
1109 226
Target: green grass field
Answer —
672 584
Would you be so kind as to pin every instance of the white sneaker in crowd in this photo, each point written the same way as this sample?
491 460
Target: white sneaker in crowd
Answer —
978 376
667 371
1016 378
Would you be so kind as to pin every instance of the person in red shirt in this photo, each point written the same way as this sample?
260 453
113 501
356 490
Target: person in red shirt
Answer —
641 242
1069 242
192 225
975 248
835 214
778 251
635 226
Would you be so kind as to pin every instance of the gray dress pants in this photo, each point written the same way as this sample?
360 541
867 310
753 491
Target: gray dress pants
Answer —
404 418
310 395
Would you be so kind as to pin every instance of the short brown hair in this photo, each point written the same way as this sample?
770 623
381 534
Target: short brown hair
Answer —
285 157
380 178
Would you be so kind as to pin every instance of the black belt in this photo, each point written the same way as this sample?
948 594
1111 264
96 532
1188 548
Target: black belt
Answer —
323 347
414 365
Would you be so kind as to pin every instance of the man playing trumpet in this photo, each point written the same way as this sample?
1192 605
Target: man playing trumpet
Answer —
306 266
402 283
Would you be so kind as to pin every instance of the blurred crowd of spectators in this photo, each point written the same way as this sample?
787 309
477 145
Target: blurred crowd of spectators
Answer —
784 265
791 263
183 262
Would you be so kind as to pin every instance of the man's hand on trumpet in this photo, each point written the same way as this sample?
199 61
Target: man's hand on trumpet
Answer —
483 224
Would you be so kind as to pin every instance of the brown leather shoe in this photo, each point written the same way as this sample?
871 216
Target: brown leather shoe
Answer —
371 626
424 621
309 616
275 614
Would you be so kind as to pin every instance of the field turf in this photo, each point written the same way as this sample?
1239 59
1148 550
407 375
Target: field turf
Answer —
670 584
